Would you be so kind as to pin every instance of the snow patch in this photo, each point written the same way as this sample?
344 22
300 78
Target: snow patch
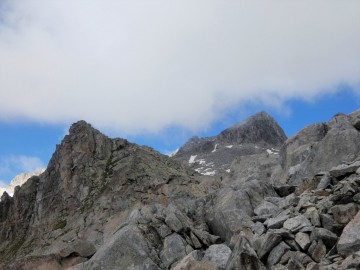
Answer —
192 159
228 170
271 152
213 151
174 152
209 173
201 161
199 169
229 146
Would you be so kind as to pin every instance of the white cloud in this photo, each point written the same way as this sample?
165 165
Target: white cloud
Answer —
3 184
143 65
20 164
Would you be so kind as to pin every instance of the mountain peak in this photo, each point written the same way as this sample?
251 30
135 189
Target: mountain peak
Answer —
80 126
258 134
259 128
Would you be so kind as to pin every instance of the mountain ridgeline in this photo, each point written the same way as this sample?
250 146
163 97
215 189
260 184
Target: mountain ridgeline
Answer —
248 198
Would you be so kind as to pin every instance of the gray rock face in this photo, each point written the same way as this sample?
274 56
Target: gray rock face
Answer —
277 222
344 169
230 210
328 238
303 239
174 249
218 254
320 147
297 223
276 254
317 250
344 213
127 249
244 257
269 241
349 241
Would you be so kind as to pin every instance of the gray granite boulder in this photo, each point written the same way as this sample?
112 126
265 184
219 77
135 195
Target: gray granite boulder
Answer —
349 241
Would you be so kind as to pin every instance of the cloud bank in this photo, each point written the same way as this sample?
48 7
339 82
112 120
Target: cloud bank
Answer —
144 65
20 163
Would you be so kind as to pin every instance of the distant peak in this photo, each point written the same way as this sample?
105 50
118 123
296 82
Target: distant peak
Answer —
262 114
260 127
79 127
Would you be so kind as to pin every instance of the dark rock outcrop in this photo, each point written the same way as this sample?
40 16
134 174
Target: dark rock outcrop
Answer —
319 148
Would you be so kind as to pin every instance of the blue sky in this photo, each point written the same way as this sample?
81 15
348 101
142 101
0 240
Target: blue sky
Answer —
158 72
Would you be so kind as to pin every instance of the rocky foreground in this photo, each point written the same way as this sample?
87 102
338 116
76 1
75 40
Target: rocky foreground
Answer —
273 202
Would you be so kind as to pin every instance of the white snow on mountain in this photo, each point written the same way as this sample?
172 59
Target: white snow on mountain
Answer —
272 151
192 159
174 153
18 181
213 151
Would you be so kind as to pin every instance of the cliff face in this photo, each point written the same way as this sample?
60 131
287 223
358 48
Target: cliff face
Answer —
320 147
272 203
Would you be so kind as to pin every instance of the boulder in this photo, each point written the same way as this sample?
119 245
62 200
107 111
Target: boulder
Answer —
313 215
258 228
218 255
303 240
344 169
174 249
231 210
244 257
278 221
330 224
267 243
126 249
185 262
317 250
343 213
328 237
266 208
351 262
349 241
297 223
81 247
276 254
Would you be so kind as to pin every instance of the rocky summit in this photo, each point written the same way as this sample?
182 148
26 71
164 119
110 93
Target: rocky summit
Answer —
256 136
248 198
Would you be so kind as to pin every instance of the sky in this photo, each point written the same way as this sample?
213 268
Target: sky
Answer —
158 72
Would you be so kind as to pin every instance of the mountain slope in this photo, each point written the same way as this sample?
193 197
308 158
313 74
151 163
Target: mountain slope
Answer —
214 155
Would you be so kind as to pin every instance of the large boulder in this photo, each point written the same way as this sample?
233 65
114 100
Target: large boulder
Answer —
231 210
349 241
244 257
127 249
218 254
